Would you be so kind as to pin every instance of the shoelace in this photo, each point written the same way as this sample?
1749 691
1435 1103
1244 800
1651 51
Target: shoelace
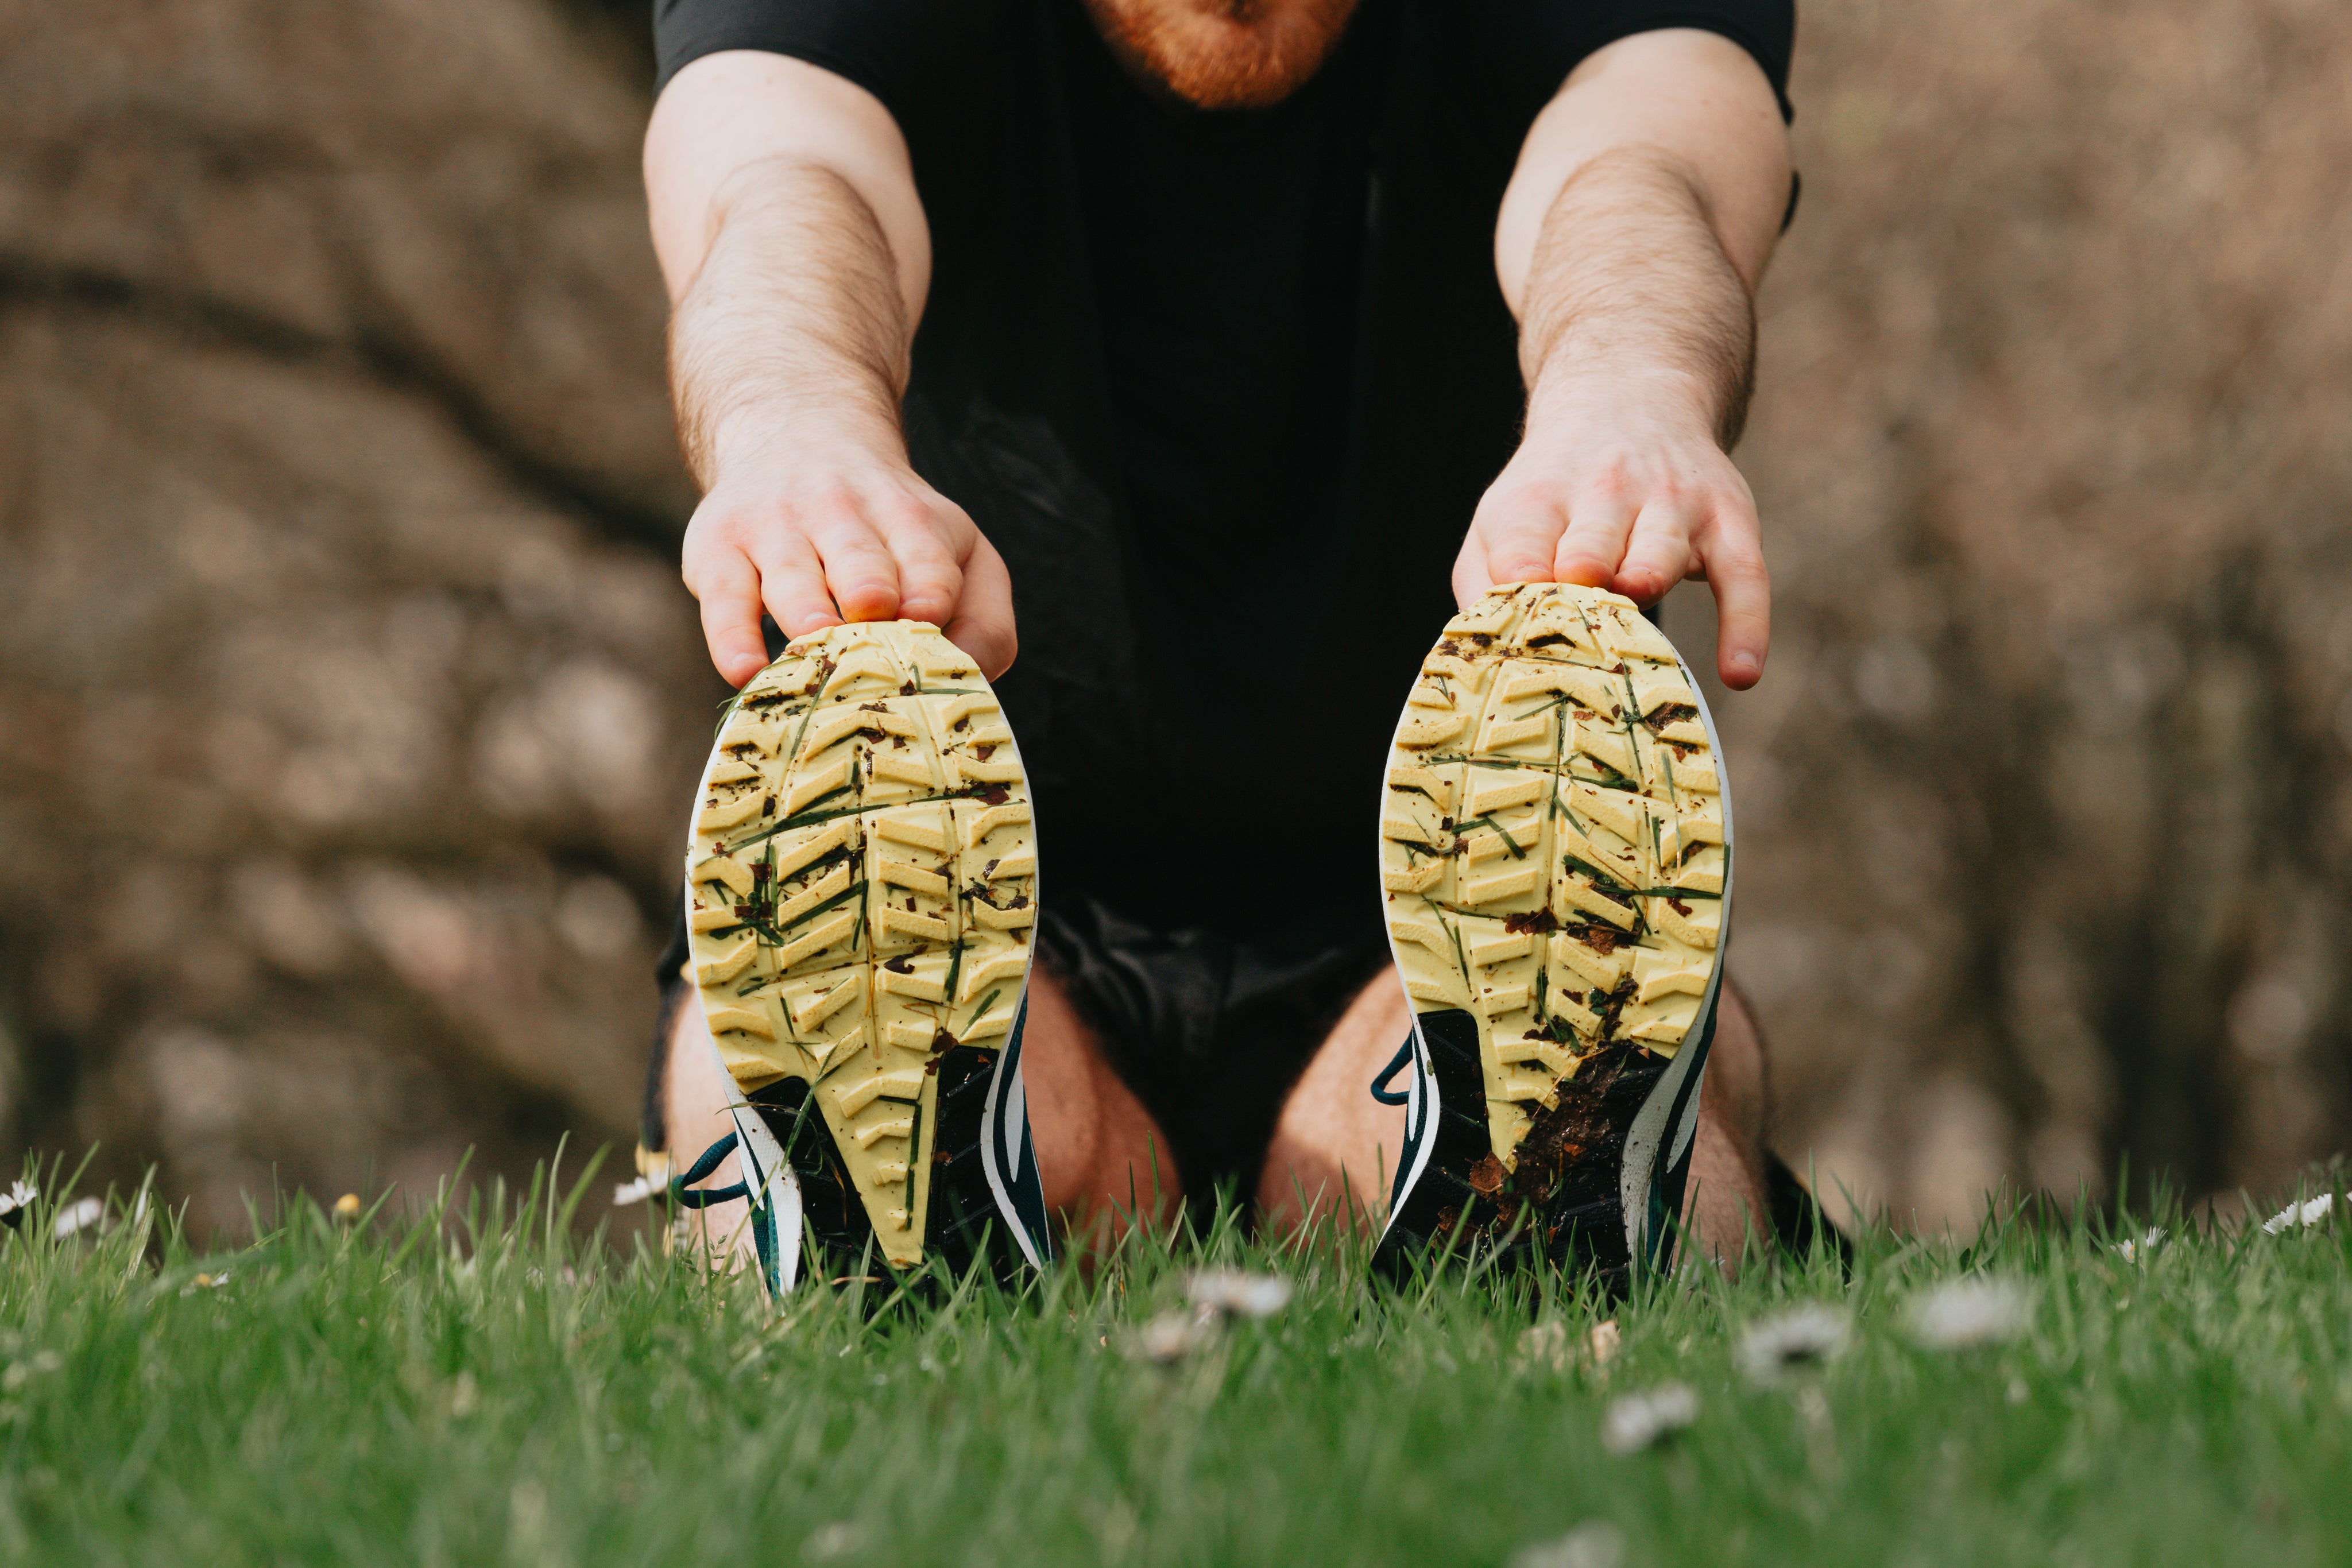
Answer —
763 1235
701 1171
1381 1090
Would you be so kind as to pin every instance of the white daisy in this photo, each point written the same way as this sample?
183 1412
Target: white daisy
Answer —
1792 1341
1595 1543
18 1196
1237 1294
1544 1345
80 1215
2295 1214
839 1539
1547 1345
1172 1336
1634 1421
1962 1313
2133 1251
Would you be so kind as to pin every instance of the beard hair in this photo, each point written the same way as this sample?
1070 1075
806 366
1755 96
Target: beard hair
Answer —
1224 54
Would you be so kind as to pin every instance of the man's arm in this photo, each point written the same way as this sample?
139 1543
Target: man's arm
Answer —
1637 224
786 221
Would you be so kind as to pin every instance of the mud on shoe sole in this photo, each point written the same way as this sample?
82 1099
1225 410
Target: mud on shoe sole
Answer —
861 896
1555 860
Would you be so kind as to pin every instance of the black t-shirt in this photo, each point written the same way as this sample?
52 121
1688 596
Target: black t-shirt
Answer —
1223 387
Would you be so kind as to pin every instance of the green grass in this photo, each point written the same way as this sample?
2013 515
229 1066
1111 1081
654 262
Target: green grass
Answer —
483 1388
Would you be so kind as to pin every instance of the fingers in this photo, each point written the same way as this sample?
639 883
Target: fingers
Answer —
1635 528
1592 548
1531 534
729 589
1522 530
1657 551
1743 602
859 569
845 552
983 626
792 581
1471 576
930 578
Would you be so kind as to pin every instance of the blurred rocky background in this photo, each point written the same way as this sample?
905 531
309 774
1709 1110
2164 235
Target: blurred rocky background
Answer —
348 698
2046 794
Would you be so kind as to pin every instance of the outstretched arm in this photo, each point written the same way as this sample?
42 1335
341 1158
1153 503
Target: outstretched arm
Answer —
1637 224
786 221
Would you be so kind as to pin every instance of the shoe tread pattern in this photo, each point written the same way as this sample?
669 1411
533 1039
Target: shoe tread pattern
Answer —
1553 850
861 892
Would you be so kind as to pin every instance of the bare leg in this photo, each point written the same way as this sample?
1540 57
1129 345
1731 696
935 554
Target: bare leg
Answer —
1334 1145
1725 1207
1101 1156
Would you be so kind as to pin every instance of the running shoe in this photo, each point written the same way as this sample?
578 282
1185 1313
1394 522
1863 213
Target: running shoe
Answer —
1556 863
861 897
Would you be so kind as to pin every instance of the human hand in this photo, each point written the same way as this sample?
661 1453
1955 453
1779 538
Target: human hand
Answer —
817 538
1618 489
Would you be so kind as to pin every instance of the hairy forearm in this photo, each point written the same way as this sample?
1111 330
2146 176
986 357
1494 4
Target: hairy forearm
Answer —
794 326
1631 296
1641 216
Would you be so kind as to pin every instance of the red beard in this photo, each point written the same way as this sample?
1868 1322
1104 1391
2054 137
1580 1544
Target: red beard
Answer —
1224 54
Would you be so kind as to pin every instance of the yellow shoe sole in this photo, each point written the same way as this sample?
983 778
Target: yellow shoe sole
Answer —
861 896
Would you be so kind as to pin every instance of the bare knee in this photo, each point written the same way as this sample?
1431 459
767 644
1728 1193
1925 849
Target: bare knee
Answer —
1335 1147
1738 1084
1724 1207
1102 1159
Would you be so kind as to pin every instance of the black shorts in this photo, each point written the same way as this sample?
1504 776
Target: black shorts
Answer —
1210 1032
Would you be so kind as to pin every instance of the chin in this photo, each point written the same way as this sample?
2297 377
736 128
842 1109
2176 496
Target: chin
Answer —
1224 54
